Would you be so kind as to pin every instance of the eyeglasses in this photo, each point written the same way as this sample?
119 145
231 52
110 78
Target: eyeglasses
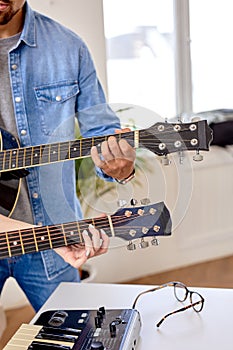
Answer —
181 293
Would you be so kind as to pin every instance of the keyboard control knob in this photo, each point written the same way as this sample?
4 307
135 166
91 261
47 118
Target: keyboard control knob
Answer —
97 345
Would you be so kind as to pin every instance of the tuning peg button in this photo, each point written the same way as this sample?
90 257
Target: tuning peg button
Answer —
198 157
155 242
133 202
145 201
143 244
131 246
121 203
165 161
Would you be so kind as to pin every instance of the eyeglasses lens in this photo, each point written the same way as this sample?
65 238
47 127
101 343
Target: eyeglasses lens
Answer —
195 297
180 292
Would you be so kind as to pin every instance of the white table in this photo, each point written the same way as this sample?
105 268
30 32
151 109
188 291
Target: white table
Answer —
212 329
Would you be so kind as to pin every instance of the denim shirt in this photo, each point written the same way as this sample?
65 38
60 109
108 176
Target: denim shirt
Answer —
53 80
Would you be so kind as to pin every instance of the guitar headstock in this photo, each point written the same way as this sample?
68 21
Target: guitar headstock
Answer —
141 222
165 138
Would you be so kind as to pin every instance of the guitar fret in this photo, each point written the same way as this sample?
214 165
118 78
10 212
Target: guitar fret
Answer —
5 250
111 225
35 241
42 238
7 160
58 151
2 154
75 149
21 242
14 243
36 155
14 158
79 232
49 236
64 235
103 223
28 156
44 154
21 157
49 154
64 150
69 143
136 139
71 234
56 236
54 153
27 240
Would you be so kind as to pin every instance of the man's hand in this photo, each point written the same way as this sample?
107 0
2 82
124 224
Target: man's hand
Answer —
117 158
77 255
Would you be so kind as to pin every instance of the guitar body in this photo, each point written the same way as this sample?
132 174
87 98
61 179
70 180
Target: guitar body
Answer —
9 181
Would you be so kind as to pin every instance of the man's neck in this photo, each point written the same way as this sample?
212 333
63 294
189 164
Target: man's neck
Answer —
13 27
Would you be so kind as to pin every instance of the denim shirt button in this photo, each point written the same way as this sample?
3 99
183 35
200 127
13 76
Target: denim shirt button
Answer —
14 66
39 223
35 195
18 99
23 132
58 98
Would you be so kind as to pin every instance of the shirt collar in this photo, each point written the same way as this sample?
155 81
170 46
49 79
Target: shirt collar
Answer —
29 29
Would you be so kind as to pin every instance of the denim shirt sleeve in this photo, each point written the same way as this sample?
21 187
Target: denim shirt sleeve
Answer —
95 116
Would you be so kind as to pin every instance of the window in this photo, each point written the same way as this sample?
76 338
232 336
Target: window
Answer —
172 57
140 57
211 29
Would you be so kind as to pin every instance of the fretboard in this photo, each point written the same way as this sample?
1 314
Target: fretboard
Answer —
37 239
127 224
20 158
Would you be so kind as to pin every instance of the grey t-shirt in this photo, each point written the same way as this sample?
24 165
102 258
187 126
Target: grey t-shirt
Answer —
22 209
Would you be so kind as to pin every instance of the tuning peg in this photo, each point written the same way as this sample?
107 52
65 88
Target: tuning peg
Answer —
198 157
143 244
131 246
165 160
145 201
121 203
155 242
133 202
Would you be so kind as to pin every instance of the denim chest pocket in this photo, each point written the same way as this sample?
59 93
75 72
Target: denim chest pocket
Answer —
56 105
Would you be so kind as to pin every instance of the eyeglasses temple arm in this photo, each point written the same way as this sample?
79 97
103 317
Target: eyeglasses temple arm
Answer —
176 311
151 290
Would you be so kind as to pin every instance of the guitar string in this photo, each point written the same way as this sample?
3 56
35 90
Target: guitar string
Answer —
54 234
83 142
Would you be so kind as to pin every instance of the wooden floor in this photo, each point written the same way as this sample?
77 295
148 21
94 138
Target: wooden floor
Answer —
217 274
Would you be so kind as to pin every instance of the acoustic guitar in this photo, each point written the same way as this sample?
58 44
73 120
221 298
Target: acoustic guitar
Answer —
128 224
161 139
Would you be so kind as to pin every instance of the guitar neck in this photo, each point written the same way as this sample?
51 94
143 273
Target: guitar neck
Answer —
127 223
161 139
37 239
21 158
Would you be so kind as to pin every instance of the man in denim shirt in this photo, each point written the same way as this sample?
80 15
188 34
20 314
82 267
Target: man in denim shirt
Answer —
47 79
